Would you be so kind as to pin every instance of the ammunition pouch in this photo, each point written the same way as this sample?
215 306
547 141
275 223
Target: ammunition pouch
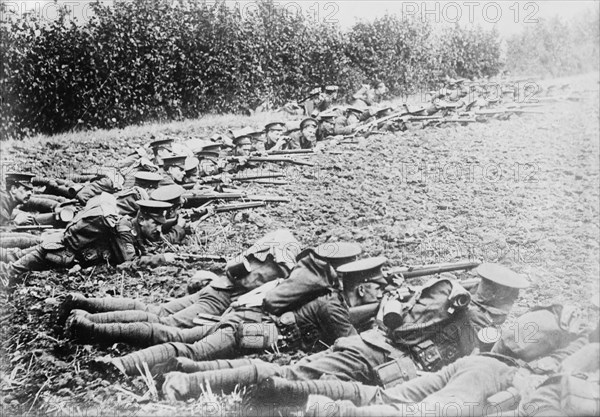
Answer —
395 372
427 355
290 332
91 256
257 335
60 257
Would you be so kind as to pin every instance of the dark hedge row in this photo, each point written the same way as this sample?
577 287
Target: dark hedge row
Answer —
148 60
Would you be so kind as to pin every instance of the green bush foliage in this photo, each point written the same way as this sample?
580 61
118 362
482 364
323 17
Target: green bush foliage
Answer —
151 61
555 48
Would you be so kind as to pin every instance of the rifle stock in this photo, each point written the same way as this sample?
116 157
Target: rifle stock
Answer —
200 258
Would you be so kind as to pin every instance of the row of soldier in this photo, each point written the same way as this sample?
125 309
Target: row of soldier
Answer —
278 294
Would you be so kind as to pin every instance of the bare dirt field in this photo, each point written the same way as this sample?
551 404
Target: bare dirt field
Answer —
523 192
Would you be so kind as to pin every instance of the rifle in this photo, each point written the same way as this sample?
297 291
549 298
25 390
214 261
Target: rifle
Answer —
361 314
32 227
422 270
195 200
492 112
239 177
199 258
291 152
270 182
199 214
273 159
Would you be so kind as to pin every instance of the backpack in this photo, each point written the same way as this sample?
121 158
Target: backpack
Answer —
431 324
92 225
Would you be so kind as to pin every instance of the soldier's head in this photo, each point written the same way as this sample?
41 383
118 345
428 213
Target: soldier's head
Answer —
242 145
174 166
191 169
353 114
273 131
499 287
150 218
18 186
171 194
363 280
272 256
308 127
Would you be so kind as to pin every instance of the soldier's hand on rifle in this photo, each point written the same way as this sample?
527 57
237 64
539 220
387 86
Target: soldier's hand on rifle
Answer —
24 219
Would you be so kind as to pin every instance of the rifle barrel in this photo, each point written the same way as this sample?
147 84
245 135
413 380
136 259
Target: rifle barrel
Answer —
423 270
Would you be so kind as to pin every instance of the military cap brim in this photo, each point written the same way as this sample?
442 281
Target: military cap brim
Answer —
20 178
275 126
364 270
147 179
355 110
161 143
242 140
191 163
307 121
174 161
339 252
154 209
169 194
501 275
207 154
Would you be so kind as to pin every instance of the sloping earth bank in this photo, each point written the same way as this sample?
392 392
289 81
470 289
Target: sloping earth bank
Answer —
523 192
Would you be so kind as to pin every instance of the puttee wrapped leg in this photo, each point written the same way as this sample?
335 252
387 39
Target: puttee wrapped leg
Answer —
181 386
139 333
276 390
189 366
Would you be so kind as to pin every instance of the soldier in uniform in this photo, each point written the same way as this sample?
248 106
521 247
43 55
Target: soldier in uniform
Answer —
18 192
305 138
359 357
173 170
273 132
181 320
309 307
173 230
542 336
96 235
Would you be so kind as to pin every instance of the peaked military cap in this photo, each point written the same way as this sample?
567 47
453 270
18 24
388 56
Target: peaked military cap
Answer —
501 275
308 121
174 161
339 253
161 143
499 287
315 91
212 147
191 164
364 270
331 88
207 154
274 126
242 140
19 178
154 209
326 115
169 194
147 179
354 110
